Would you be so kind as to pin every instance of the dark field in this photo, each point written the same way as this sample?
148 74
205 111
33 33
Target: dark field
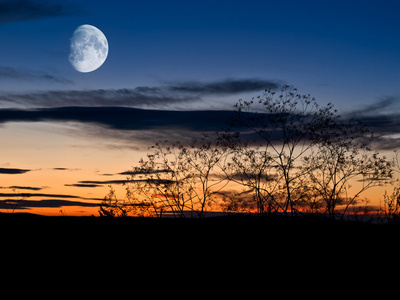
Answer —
231 245
211 230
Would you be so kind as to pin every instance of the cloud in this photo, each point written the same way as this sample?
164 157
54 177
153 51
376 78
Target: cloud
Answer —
23 10
383 119
29 195
95 183
386 129
132 124
109 113
105 182
13 171
140 172
65 169
18 187
383 105
84 185
48 203
29 75
127 125
100 183
124 118
37 195
229 86
160 97
120 97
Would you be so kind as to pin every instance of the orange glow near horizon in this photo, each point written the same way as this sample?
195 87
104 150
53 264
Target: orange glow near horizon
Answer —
62 161
120 191
59 158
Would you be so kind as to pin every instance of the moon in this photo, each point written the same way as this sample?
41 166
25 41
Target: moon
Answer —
89 49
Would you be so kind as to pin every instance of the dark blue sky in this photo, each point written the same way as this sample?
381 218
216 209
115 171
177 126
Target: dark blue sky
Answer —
340 51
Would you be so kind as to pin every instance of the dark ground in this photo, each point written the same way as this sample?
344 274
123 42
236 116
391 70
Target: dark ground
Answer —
236 246
224 254
235 228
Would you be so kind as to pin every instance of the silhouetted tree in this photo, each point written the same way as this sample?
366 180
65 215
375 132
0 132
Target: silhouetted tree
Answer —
162 181
391 205
287 126
206 158
112 207
296 154
391 202
12 204
343 159
293 155
252 168
178 179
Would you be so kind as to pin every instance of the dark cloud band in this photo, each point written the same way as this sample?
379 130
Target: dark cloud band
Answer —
13 171
49 203
29 188
122 118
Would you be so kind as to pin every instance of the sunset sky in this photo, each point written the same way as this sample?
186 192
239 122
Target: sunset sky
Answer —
174 68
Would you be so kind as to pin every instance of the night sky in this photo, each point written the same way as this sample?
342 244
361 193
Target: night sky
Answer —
66 135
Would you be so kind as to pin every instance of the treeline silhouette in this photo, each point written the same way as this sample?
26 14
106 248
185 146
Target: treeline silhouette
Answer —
282 153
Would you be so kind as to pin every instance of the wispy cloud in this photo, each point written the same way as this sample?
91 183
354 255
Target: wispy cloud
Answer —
229 86
96 183
140 172
101 182
84 185
160 97
383 119
65 169
383 105
121 97
7 73
23 10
